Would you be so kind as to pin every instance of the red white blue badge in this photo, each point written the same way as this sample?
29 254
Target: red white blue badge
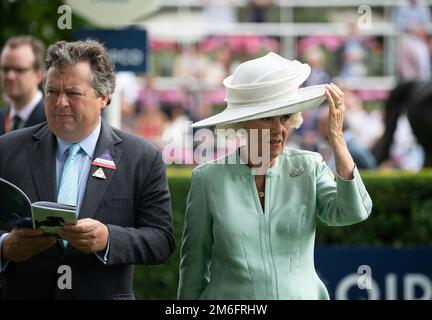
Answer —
105 160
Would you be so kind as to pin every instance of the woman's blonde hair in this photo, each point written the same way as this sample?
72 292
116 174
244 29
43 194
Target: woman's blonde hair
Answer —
234 130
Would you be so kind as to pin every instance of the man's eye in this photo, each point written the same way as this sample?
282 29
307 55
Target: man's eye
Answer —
285 118
265 119
74 94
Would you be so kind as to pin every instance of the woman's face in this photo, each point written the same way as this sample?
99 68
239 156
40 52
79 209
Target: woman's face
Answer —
268 134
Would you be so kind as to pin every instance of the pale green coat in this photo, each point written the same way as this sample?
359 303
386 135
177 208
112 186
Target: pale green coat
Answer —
231 249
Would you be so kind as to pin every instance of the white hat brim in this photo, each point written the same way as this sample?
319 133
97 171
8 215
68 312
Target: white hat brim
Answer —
309 98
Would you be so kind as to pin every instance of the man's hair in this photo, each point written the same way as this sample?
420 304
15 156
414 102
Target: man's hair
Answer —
36 45
63 53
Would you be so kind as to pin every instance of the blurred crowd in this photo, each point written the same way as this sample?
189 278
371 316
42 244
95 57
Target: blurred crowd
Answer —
198 70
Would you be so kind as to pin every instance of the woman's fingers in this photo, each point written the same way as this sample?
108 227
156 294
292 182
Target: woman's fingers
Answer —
333 92
338 95
330 99
338 90
335 97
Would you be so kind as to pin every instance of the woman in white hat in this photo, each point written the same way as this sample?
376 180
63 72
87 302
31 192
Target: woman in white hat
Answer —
250 220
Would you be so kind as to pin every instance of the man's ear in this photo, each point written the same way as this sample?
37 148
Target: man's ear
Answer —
104 102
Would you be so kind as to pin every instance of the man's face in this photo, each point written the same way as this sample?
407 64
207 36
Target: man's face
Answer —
19 78
71 104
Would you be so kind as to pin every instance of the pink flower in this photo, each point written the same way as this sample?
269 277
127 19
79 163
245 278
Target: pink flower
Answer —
235 43
215 97
212 43
331 43
160 45
252 44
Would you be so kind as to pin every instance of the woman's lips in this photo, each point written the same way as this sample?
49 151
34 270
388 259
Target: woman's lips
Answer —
275 142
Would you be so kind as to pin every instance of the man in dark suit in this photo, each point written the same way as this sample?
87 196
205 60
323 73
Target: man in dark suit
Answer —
116 181
21 73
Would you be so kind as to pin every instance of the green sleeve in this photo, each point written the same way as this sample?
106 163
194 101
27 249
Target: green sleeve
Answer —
341 202
196 241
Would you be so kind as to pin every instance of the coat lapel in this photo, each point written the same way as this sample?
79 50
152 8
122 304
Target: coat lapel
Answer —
41 157
38 115
96 188
3 115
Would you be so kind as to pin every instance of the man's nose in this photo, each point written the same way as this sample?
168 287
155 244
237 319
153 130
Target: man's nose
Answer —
62 100
9 74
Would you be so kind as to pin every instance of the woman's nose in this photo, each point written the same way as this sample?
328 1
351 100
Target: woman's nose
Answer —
276 125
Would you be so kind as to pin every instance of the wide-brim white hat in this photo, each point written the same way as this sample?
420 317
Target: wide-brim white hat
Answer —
266 87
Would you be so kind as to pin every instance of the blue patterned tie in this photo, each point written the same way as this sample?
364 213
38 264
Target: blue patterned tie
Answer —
68 190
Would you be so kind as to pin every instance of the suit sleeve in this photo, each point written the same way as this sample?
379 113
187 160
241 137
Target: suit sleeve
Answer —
196 243
151 240
341 202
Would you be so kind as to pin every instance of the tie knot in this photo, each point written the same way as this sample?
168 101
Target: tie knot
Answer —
73 150
16 121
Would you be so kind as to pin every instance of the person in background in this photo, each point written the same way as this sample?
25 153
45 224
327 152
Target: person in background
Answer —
413 19
260 11
21 73
316 59
353 54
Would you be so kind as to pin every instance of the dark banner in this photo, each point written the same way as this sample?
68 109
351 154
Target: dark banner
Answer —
128 48
376 273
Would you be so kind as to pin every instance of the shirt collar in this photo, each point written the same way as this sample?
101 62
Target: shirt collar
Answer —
88 144
25 112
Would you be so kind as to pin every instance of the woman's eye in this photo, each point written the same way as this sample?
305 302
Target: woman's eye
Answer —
265 119
285 118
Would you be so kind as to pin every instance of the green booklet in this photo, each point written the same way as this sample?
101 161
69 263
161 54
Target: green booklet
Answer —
16 210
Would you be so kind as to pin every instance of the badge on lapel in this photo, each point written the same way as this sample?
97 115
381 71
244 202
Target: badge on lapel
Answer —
105 160
99 173
296 172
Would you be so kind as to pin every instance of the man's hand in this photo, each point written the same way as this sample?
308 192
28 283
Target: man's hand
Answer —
23 243
88 235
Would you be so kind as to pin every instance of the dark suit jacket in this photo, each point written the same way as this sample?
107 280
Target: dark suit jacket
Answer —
133 201
36 117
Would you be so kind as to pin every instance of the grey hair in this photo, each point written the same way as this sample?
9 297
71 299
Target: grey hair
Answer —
63 53
234 130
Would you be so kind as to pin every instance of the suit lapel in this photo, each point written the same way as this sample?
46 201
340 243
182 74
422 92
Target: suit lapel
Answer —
96 188
41 157
3 115
38 114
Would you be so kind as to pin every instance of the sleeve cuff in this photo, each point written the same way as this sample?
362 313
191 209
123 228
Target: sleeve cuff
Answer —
348 188
355 171
3 264
103 255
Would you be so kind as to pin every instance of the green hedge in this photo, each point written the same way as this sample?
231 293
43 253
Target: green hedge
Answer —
402 215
